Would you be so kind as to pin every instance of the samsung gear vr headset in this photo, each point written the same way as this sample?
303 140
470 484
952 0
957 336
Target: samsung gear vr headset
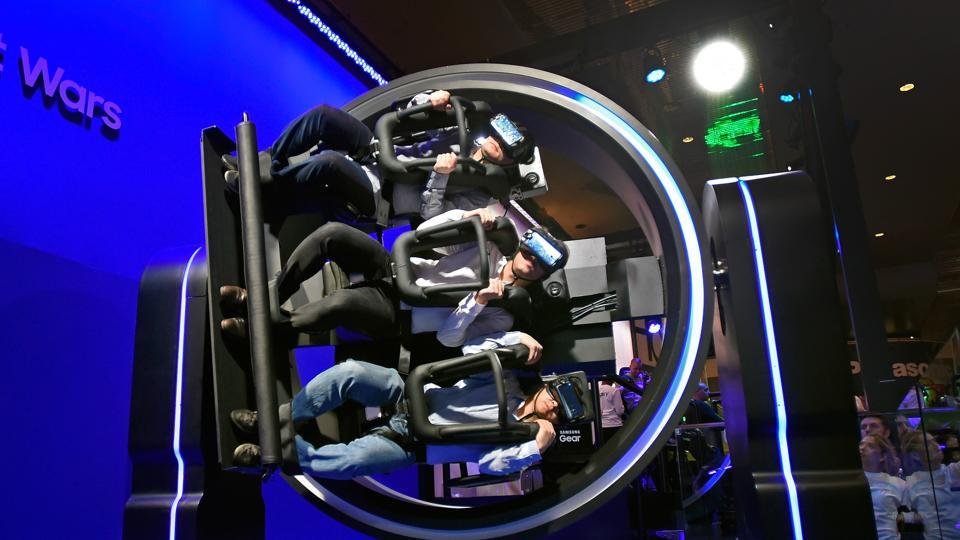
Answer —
551 254
516 145
572 394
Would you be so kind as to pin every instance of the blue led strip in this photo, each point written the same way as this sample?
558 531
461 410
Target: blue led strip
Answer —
774 358
339 42
178 401
715 476
691 247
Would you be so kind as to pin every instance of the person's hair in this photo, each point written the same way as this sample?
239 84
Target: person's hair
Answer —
917 441
530 383
891 463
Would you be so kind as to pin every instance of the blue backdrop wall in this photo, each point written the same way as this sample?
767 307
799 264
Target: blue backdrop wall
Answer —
83 207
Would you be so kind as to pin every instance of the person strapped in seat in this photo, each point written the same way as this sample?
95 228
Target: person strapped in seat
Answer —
483 417
459 295
328 155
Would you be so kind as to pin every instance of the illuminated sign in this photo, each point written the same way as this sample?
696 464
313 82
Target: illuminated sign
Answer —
74 97
735 128
734 139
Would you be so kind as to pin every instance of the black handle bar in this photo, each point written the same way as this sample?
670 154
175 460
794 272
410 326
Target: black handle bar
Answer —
445 234
387 123
499 432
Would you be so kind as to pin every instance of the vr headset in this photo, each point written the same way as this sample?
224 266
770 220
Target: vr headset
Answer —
571 392
517 146
551 253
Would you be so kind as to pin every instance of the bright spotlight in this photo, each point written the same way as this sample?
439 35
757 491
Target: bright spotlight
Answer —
654 326
719 66
654 67
656 75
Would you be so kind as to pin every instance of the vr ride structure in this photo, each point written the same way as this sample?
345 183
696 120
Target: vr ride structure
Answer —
188 377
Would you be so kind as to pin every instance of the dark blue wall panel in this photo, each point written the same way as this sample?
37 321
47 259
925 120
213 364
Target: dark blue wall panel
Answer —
83 209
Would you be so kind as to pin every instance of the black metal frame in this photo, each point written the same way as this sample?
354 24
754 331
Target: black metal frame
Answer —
833 496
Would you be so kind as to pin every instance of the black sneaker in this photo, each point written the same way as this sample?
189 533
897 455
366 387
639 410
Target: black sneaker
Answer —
246 455
244 419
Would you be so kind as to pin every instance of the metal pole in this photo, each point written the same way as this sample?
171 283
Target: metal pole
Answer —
838 176
258 306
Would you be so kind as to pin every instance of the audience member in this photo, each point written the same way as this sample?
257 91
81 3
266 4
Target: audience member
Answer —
888 491
932 488
611 409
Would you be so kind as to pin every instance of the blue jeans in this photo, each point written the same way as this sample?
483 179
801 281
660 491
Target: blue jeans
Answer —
368 385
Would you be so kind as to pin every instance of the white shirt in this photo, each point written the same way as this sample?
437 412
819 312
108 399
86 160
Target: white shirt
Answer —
888 494
937 503
611 406
469 319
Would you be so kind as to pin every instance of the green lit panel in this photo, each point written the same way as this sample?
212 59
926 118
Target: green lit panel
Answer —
737 126
734 139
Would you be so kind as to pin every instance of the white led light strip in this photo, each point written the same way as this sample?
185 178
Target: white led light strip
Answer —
774 358
339 42
178 401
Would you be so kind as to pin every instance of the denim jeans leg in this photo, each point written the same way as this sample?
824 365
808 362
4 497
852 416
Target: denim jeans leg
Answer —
367 384
370 454
330 176
338 131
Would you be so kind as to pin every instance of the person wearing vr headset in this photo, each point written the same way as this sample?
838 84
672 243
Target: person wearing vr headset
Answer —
389 447
372 306
340 164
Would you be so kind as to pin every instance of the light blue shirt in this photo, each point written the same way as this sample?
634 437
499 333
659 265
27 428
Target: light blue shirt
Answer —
474 399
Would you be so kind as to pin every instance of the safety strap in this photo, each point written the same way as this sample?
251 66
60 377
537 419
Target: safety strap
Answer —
408 443
403 361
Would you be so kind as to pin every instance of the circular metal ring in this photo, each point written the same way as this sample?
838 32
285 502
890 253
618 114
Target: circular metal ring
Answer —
641 173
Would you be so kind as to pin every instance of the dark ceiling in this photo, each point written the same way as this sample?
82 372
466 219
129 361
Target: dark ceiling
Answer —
878 46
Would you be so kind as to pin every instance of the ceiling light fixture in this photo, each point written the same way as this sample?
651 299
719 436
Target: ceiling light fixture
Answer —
907 87
719 66
879 234
889 177
654 68
688 139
